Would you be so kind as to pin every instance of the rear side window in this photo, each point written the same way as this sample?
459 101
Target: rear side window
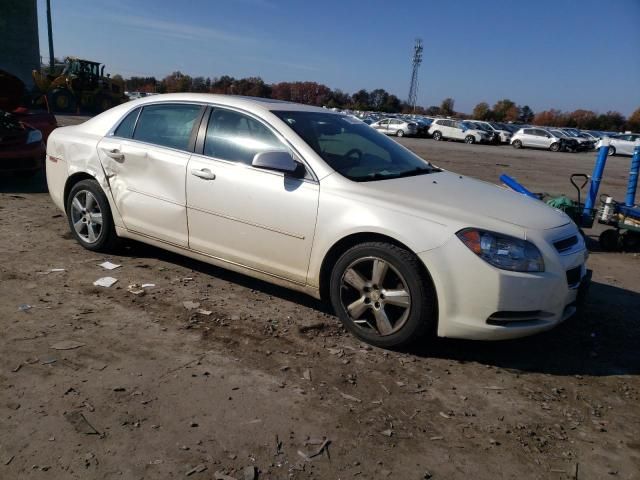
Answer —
236 137
167 125
125 129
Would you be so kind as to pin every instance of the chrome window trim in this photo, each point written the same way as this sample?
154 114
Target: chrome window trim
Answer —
300 158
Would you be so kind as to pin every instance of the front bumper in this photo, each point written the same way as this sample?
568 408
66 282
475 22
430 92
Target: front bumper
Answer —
480 302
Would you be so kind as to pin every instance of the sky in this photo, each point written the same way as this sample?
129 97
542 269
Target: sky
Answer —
564 54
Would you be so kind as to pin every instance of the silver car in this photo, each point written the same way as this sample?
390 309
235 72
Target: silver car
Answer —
395 126
621 144
537 138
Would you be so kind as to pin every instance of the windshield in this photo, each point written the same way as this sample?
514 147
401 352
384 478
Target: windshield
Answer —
353 149
559 133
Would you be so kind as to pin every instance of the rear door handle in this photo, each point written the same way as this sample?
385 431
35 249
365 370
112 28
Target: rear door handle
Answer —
114 153
203 173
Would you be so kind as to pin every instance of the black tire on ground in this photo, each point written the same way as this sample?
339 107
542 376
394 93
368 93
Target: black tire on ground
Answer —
106 240
62 100
400 133
422 315
555 147
437 136
610 240
612 151
517 144
470 139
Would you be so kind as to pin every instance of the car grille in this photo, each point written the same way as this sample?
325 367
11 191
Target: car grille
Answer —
565 244
573 276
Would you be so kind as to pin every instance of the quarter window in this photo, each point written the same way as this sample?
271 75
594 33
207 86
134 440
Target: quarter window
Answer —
125 129
236 137
167 125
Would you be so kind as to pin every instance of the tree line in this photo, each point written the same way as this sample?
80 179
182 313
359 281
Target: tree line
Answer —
379 100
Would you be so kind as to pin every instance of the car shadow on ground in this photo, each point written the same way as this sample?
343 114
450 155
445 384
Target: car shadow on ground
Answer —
602 340
12 183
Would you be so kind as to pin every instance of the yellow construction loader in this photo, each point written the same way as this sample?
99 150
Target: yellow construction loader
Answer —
79 85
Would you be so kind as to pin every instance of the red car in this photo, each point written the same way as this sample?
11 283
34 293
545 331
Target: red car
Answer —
22 140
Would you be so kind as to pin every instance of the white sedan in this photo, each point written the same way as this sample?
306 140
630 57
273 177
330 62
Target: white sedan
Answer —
319 202
623 144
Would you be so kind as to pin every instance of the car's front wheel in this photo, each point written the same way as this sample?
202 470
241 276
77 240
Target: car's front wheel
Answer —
89 217
469 139
555 147
517 144
380 294
400 133
612 151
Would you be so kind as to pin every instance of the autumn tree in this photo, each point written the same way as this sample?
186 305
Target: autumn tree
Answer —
633 123
505 110
446 107
481 111
582 119
550 118
526 114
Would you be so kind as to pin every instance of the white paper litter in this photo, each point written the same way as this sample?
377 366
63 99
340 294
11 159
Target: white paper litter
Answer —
148 285
105 282
109 266
57 270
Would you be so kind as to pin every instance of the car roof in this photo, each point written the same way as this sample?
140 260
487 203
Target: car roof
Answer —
238 101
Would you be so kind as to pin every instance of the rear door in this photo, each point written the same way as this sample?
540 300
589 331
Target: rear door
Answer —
146 160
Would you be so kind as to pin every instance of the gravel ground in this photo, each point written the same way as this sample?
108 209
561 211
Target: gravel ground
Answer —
100 383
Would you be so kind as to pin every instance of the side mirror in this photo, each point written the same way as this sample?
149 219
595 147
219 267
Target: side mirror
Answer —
278 161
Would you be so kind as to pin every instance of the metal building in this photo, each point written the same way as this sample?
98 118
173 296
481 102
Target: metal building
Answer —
19 43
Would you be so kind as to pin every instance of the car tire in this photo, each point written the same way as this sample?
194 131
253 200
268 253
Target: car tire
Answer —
612 151
470 139
437 136
363 301
400 133
517 144
555 147
89 217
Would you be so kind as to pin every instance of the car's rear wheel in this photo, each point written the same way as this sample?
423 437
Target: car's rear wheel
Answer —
89 217
612 150
517 144
400 133
555 147
469 139
437 136
381 295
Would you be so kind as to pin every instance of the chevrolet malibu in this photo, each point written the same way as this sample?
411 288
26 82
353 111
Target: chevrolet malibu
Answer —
321 203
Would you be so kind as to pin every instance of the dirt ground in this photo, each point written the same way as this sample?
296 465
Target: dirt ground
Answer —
97 383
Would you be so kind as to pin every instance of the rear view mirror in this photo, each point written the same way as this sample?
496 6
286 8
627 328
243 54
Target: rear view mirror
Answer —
278 161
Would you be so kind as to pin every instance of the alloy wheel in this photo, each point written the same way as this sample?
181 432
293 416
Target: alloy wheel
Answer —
375 296
86 216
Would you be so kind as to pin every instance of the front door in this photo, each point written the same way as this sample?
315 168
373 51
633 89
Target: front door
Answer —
260 219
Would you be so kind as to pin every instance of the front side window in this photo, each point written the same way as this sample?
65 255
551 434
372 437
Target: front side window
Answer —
237 137
167 125
353 149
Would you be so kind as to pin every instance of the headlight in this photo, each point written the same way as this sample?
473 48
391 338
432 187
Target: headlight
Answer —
34 136
503 251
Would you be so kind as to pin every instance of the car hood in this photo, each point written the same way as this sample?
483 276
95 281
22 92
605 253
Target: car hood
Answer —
447 197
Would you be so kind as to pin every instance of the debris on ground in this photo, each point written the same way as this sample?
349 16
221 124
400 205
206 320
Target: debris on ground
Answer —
197 469
67 345
250 473
109 265
222 476
324 446
105 282
189 305
136 289
24 307
80 423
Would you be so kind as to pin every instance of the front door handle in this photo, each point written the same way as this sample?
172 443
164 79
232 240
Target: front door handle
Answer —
204 173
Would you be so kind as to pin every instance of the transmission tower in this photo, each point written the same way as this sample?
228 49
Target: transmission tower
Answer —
416 61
